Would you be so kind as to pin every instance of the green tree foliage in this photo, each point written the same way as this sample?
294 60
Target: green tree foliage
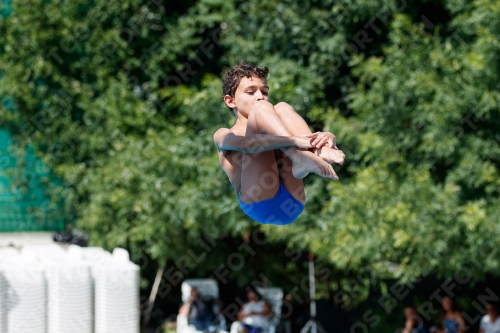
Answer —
121 99
423 184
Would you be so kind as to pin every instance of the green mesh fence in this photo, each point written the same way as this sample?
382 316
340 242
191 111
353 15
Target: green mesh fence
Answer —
24 205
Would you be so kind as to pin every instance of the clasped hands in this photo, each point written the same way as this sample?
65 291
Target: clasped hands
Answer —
317 140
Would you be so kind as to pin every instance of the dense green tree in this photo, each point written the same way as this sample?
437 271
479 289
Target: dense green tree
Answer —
423 137
121 99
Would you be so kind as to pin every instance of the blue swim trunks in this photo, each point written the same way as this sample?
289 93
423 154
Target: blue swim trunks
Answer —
281 210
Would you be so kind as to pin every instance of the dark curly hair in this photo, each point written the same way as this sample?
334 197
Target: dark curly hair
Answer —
233 77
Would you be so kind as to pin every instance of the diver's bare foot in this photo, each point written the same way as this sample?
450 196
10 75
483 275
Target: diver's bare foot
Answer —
311 163
330 155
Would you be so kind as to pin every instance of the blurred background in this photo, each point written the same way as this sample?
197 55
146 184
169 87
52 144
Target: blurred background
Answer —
107 112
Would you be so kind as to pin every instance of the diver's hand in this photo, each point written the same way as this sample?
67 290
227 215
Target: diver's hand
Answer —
321 139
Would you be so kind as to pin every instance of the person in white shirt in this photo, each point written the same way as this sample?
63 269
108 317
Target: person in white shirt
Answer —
254 315
490 323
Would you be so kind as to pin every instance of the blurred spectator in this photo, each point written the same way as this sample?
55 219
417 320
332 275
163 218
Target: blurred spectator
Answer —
490 322
253 316
414 322
451 318
198 311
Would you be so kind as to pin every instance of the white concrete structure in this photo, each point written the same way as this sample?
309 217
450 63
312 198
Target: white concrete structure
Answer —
19 239
116 290
50 289
24 294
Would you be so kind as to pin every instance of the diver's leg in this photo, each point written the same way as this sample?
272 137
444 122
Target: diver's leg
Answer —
296 126
263 119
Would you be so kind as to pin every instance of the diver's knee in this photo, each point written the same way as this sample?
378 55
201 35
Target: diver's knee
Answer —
283 109
261 107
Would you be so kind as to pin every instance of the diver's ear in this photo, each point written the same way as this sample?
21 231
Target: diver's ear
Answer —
229 101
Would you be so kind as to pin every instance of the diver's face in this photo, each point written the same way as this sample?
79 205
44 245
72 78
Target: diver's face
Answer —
250 91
